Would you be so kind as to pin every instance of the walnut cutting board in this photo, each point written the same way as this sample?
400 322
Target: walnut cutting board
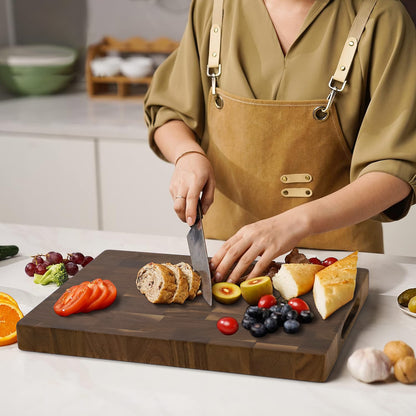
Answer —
132 329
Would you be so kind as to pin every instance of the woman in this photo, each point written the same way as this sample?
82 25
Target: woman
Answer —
242 109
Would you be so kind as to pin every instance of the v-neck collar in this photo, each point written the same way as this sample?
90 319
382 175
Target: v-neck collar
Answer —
314 11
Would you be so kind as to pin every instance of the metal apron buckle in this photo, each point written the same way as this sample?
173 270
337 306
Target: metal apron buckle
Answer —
321 113
219 102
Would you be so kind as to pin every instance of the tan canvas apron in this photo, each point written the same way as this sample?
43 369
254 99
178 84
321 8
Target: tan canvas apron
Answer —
270 156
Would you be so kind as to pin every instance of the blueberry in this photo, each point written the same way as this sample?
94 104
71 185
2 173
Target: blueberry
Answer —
291 326
258 330
292 315
252 311
263 314
279 318
248 321
271 324
275 308
306 317
285 309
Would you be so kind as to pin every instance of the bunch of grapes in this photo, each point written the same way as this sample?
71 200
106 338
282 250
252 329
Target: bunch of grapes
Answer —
72 262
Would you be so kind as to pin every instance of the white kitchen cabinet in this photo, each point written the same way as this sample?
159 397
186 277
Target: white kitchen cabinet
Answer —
134 190
48 180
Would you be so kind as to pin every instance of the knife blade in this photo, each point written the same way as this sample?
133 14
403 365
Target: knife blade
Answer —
199 256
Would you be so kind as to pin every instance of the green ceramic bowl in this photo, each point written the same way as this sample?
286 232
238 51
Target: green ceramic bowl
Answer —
37 84
37 70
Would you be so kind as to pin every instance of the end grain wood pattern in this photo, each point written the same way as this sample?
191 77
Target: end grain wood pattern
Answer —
135 330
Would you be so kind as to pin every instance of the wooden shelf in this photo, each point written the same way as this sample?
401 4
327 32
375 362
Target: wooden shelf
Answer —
121 87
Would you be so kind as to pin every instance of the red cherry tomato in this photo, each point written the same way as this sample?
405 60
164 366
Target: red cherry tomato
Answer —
267 301
315 260
298 304
328 261
227 325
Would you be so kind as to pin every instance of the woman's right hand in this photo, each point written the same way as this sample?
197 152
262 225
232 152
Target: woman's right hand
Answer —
193 174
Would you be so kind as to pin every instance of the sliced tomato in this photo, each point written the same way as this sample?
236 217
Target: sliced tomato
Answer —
104 292
95 293
112 293
73 300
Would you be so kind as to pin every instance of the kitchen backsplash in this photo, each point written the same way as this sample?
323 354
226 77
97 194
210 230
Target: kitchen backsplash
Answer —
78 23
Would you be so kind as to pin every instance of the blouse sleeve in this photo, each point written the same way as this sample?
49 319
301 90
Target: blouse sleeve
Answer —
176 91
386 140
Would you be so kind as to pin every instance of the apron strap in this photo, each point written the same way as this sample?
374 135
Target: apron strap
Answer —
214 66
347 57
354 36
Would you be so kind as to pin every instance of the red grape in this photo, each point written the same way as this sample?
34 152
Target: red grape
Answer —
40 268
54 258
30 269
87 259
71 268
38 259
76 258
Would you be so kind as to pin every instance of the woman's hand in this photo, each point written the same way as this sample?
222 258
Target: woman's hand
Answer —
193 174
268 239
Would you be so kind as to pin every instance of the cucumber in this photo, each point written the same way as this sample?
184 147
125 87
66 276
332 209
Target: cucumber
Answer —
8 251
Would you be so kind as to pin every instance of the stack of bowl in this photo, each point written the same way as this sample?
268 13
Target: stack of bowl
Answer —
36 69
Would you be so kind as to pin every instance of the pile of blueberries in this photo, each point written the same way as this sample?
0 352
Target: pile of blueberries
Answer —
260 321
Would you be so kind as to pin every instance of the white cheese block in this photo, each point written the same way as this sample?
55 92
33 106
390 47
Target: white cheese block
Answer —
335 285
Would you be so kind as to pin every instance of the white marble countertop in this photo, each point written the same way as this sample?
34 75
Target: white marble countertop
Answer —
47 384
72 113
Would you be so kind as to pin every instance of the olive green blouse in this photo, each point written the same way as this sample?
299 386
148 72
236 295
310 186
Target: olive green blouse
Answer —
377 109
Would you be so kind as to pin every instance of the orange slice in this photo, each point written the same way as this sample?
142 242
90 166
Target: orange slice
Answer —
10 314
7 298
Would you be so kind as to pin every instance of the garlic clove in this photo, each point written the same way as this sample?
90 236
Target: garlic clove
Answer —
369 365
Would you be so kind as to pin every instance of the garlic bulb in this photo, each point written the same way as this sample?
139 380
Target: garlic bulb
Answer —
369 365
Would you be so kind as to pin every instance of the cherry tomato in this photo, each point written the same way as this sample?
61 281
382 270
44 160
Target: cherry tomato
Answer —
227 325
73 300
328 261
298 305
315 260
267 301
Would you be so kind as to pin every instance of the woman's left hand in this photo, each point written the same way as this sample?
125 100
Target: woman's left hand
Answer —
267 238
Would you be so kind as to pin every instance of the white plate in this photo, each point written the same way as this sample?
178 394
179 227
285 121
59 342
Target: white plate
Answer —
406 310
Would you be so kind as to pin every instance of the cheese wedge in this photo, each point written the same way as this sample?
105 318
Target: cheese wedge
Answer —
335 285
295 279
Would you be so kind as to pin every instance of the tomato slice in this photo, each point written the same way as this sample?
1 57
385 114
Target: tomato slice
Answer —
112 293
95 293
103 294
73 300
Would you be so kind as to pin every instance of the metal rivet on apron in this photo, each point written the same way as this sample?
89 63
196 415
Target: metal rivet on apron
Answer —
216 29
214 54
308 177
307 192
219 102
351 43
285 192
343 68
319 114
283 178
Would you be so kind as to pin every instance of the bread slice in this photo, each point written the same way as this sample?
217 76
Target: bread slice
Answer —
295 279
156 282
194 279
182 287
335 285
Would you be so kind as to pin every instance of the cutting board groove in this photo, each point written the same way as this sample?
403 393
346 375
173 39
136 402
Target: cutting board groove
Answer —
132 329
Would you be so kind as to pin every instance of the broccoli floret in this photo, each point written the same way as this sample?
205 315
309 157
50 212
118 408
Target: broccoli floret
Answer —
55 273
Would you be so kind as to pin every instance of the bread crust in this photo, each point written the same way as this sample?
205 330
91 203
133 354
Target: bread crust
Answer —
335 285
194 279
182 288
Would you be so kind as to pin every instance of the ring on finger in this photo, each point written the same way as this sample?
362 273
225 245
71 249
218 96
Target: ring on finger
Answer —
179 197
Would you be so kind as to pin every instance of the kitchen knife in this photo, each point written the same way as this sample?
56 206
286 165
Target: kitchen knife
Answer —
199 256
